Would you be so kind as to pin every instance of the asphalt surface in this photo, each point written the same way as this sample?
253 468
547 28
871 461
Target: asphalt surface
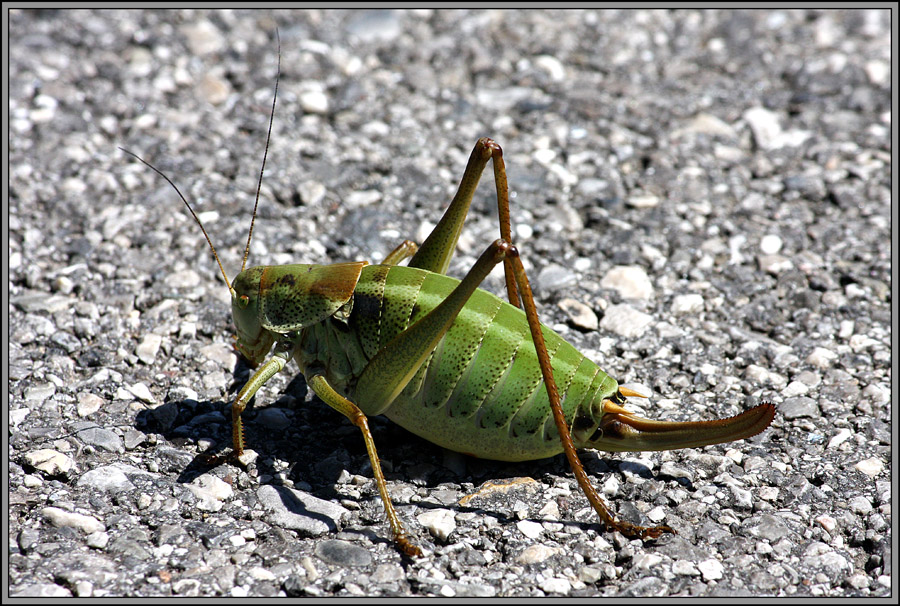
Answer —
702 200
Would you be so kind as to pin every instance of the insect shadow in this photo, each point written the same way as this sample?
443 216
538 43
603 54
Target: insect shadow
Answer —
298 437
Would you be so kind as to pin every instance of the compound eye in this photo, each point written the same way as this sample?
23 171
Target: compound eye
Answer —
244 301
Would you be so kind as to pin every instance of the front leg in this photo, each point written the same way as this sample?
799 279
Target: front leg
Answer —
272 366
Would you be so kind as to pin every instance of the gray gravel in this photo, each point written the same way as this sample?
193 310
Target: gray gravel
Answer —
735 164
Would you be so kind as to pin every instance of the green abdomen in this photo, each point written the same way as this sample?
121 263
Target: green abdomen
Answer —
481 391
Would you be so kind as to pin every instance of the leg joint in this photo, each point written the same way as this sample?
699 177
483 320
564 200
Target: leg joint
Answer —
503 249
489 148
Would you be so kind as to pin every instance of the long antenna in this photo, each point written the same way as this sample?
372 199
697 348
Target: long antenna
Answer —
196 218
265 154
258 187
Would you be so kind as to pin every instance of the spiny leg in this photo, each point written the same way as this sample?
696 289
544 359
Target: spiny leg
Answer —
327 394
626 528
437 250
272 366
503 211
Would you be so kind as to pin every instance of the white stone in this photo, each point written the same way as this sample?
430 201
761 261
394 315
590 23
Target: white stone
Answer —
687 304
795 388
535 554
221 353
877 393
314 102
862 342
647 561
626 321
530 529
552 66
631 281
767 130
261 574
580 314
363 198
765 126
88 404
97 540
878 71
827 522
439 522
839 438
49 461
821 357
18 415
215 88
685 568
211 492
556 585
203 38
861 505
770 244
142 392
871 467
60 517
711 569
708 124
774 264
544 156
644 201
148 348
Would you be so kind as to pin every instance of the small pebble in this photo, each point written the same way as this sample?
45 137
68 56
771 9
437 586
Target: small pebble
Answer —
535 554
625 321
643 201
51 462
530 529
687 304
839 438
211 492
439 522
630 281
770 244
60 517
203 38
827 522
580 314
871 467
142 393
314 102
343 553
821 357
712 570
88 404
685 568
556 585
861 505
148 348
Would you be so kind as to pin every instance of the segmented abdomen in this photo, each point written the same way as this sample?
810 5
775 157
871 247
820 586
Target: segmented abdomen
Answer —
481 391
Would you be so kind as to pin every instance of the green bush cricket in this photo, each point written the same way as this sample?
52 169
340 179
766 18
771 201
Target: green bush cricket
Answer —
443 358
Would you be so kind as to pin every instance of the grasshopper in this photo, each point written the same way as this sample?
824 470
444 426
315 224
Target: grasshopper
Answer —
443 358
